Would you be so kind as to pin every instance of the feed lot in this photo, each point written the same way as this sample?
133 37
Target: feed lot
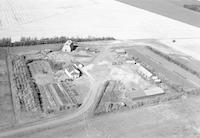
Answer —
6 107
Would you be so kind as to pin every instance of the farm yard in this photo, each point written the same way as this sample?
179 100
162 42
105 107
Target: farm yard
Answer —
100 88
125 84
44 86
94 79
48 95
138 76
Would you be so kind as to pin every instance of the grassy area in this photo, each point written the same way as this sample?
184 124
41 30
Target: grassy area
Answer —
7 117
180 64
35 48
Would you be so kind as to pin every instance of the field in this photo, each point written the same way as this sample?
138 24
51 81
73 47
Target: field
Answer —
177 11
30 18
169 120
7 116
34 49
189 47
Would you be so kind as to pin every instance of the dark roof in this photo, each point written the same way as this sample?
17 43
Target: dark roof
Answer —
70 68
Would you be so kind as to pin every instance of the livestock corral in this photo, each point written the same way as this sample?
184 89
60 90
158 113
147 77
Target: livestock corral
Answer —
59 96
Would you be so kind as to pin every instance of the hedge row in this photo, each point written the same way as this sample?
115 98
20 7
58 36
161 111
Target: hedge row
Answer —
185 67
28 41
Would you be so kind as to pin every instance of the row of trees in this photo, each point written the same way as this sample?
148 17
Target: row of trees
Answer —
192 7
185 67
28 41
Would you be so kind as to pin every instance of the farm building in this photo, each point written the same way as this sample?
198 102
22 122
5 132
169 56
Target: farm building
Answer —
156 79
153 91
144 72
72 72
130 61
138 64
69 46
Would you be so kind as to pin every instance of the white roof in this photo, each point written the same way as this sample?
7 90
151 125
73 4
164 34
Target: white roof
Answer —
120 50
153 91
145 71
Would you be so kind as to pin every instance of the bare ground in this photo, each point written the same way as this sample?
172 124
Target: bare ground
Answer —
170 120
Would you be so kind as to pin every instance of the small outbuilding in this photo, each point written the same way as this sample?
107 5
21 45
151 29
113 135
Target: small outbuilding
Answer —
144 72
130 61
